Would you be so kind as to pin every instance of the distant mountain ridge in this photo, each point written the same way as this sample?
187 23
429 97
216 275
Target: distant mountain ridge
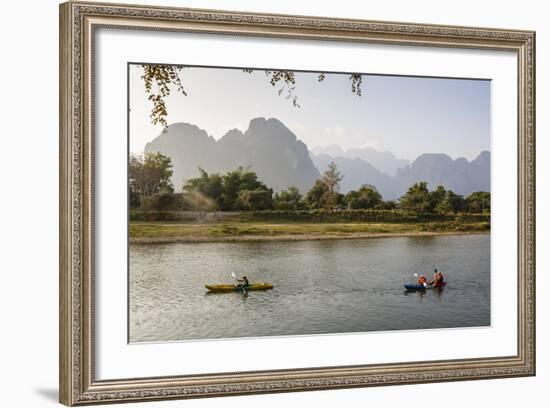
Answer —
358 172
267 146
460 175
386 162
281 160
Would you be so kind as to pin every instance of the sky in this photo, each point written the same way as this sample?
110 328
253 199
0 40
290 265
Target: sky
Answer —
408 116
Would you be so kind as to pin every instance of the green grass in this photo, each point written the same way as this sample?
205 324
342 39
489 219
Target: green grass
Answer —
227 229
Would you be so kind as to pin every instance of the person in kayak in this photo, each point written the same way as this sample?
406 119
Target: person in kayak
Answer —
437 279
243 283
422 281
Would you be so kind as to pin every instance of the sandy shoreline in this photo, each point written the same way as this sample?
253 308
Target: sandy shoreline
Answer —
297 237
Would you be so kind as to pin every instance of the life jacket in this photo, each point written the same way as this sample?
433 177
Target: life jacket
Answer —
421 280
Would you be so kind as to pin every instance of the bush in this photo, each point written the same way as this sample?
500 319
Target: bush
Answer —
165 201
149 216
455 226
362 215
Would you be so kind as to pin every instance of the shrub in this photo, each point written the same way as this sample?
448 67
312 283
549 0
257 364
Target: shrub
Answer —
165 201
149 216
363 215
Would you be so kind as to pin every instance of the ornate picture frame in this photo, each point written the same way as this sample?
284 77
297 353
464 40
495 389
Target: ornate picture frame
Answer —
78 24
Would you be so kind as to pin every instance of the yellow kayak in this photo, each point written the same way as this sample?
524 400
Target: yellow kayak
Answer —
235 288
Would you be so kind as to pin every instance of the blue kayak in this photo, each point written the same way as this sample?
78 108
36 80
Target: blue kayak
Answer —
415 286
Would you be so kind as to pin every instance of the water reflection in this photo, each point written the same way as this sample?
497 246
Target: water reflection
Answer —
319 287
421 294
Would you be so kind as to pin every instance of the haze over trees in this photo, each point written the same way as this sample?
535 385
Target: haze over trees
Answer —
239 189
242 190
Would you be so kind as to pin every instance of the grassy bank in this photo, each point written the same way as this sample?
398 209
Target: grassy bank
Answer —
256 230
308 216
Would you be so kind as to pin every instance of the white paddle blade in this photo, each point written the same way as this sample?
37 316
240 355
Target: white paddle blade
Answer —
415 275
233 274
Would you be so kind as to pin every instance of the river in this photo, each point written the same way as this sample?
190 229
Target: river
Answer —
330 286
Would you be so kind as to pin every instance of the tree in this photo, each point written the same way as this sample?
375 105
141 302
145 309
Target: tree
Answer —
455 202
135 199
159 80
352 199
235 190
249 180
231 186
331 178
478 202
206 190
289 199
336 201
165 201
417 198
315 196
448 203
440 200
149 174
366 197
437 200
254 200
387 205
236 181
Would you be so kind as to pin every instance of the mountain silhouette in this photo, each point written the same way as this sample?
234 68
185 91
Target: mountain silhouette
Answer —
358 172
386 162
281 160
268 147
460 175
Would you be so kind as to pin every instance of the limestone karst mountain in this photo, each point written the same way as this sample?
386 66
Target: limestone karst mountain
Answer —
268 147
281 160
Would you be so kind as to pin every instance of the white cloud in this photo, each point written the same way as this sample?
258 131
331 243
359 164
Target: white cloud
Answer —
338 132
373 142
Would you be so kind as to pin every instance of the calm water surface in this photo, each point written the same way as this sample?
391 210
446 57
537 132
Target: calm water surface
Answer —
332 286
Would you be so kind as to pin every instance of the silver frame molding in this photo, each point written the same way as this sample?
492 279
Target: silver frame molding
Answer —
78 22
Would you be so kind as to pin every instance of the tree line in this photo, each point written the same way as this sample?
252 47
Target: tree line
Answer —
150 188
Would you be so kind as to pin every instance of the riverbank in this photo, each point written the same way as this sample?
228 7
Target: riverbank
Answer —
159 232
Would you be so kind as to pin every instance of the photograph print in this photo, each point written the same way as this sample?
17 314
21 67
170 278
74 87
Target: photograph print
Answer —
274 202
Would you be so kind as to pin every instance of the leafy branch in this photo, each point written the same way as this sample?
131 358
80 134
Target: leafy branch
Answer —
160 79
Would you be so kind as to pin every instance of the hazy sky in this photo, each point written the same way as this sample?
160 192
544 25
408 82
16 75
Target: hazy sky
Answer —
405 115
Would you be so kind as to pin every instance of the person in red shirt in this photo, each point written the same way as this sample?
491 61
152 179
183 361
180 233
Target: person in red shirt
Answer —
437 279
